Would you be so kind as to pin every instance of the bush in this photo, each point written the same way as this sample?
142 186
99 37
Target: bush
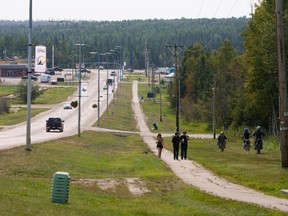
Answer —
22 91
4 106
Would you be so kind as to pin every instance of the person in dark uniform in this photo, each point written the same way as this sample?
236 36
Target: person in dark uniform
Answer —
176 141
184 145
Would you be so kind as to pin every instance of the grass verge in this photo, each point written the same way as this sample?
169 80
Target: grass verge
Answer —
120 111
26 179
19 116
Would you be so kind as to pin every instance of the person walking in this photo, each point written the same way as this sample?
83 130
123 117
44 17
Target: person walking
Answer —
159 144
176 141
184 145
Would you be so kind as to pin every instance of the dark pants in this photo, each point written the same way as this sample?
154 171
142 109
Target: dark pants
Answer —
176 151
184 152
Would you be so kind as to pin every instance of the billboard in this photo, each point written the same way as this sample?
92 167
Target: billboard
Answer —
40 59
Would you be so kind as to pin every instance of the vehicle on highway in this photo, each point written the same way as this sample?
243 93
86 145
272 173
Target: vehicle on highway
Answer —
54 124
105 87
45 78
109 81
34 78
85 70
58 69
50 71
113 73
67 105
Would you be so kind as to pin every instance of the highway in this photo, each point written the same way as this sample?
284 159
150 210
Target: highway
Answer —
16 135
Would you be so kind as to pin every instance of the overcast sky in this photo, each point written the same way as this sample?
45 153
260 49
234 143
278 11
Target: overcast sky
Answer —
117 10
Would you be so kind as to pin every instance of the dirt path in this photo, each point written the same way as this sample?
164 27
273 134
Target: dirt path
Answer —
194 174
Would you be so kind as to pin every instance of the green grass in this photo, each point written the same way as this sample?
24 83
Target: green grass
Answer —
26 181
19 116
151 108
261 172
7 89
55 95
26 177
120 111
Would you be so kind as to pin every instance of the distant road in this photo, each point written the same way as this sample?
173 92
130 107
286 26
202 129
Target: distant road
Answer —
15 135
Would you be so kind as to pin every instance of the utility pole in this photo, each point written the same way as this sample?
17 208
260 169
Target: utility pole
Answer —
282 84
146 60
177 76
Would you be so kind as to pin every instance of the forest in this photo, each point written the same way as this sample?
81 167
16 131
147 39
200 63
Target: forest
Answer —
232 61
132 35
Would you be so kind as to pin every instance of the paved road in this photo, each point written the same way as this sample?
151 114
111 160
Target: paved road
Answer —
15 135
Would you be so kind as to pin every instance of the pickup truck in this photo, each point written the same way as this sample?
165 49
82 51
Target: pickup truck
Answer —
54 124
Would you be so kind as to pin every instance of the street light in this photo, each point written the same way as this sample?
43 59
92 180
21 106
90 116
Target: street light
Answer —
117 48
116 54
99 54
115 62
28 127
79 68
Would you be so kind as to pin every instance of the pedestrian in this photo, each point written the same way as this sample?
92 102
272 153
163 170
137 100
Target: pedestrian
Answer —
184 145
159 144
176 141
222 140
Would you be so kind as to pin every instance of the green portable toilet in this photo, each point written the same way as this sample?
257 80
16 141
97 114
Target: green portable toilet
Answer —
60 187
155 126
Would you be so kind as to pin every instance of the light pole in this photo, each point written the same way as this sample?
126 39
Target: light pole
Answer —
28 127
115 62
98 106
116 51
79 69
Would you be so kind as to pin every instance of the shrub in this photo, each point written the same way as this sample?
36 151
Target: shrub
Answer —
22 90
4 106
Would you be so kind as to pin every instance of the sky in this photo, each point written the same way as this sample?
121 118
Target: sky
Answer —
118 10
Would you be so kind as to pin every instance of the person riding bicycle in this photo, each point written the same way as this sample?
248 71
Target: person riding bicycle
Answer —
258 134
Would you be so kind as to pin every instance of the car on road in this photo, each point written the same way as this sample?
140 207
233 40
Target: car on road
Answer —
54 124
67 105
109 81
58 69
85 70
34 78
113 73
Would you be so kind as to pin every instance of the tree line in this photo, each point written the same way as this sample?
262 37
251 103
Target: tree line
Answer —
132 35
244 86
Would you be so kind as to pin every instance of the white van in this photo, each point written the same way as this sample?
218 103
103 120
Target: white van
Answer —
45 78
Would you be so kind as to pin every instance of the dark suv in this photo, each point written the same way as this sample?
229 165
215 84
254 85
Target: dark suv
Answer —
54 124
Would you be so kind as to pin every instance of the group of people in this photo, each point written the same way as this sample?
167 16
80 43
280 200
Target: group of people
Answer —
258 135
179 142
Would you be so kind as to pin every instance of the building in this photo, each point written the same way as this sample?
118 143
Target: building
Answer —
13 70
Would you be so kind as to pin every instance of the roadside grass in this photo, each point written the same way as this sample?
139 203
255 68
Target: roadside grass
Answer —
261 172
139 76
51 96
19 116
152 110
55 95
26 181
120 111
7 89
234 164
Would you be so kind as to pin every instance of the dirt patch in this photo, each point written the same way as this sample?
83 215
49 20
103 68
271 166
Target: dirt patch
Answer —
134 185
